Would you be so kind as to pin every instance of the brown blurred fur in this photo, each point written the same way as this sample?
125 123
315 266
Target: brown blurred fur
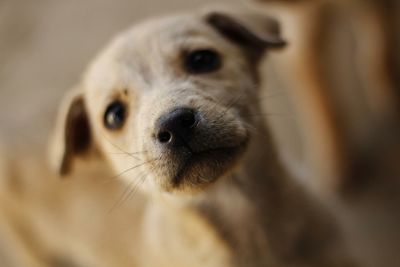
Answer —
342 77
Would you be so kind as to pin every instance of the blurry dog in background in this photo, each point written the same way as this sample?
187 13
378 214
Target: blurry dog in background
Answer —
341 74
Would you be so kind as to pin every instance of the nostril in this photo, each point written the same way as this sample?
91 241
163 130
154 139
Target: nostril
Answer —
188 120
176 127
164 136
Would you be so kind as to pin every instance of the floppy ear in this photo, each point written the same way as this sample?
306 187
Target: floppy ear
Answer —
72 136
254 33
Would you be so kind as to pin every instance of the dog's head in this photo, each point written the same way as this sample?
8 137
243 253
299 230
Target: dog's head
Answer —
170 100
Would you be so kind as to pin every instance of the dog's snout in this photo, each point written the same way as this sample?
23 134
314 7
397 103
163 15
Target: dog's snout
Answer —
175 128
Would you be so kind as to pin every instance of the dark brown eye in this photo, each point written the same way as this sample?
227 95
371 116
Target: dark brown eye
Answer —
115 115
202 61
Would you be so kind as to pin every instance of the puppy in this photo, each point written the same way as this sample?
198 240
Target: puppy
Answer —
177 97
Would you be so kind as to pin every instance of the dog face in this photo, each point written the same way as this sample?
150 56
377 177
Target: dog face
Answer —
169 102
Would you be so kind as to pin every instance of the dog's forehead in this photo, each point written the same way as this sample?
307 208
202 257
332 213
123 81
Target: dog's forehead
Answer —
146 47
160 38
175 26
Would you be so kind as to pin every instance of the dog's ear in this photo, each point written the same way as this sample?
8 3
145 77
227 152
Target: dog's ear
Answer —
255 33
72 136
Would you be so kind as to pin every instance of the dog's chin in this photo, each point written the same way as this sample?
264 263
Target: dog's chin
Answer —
194 172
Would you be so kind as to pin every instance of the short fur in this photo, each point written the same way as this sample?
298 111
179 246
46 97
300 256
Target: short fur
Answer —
230 208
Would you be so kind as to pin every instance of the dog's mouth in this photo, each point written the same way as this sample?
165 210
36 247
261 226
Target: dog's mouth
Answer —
193 171
207 166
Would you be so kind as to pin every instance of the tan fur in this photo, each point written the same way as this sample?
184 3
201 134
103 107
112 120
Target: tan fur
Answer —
231 209
47 221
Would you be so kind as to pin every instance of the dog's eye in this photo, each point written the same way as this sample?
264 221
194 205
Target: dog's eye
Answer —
202 61
115 114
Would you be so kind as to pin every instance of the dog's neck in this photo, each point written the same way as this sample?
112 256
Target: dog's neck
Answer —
237 205
240 204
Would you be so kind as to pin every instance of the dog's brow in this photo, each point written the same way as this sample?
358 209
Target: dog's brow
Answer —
187 32
145 73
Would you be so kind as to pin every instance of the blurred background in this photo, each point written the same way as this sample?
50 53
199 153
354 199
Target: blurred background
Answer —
333 96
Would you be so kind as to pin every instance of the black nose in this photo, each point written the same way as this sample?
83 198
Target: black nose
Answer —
176 128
